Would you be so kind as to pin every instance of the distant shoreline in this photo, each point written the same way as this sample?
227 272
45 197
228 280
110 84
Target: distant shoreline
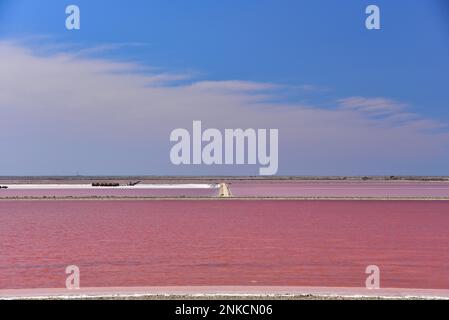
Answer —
214 179
305 188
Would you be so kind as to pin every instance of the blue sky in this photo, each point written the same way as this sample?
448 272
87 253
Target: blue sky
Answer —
319 42
319 51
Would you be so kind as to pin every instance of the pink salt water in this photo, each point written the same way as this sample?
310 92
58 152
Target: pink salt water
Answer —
340 188
108 192
232 242
264 188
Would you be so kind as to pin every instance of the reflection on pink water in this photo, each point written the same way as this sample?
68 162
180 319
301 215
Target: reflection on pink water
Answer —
340 189
148 243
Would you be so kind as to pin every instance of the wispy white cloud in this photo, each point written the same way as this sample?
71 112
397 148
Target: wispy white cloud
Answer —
390 111
107 47
372 106
62 113
233 86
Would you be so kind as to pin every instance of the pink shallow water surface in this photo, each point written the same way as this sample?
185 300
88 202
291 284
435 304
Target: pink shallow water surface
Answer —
339 189
232 242
109 192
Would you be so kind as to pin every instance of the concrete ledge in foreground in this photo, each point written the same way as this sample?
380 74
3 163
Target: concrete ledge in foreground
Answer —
223 292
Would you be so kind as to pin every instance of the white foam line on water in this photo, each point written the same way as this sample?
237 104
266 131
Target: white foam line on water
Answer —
88 186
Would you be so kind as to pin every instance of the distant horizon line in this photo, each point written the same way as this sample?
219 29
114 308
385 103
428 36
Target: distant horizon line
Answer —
232 177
